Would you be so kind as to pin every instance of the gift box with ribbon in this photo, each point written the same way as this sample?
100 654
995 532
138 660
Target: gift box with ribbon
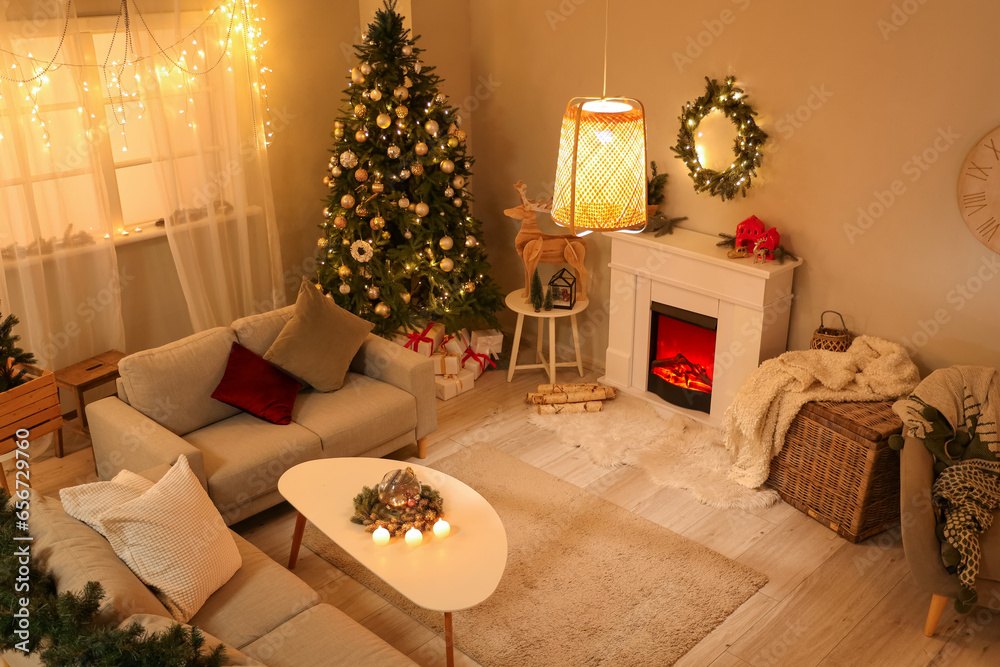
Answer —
425 339
487 341
476 362
458 342
450 386
446 363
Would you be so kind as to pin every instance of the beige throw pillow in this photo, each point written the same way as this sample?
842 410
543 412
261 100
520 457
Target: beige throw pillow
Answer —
89 502
175 541
319 342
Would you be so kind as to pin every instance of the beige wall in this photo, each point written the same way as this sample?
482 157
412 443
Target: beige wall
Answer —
869 101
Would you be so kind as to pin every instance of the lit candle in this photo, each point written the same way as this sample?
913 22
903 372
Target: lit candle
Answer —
441 528
414 537
380 536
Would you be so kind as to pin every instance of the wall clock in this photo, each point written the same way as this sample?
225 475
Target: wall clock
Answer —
979 190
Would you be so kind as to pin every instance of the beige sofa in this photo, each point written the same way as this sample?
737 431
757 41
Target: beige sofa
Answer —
164 409
264 614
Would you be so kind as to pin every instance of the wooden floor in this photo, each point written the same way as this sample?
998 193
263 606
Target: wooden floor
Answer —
828 602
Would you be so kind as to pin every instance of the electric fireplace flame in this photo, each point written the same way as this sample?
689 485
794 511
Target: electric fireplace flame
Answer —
677 370
682 356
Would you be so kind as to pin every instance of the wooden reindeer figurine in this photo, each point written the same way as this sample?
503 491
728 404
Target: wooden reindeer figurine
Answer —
533 246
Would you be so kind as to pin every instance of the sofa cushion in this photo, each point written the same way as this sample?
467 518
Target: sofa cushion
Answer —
324 636
362 414
257 332
76 554
244 456
174 539
261 596
257 386
319 341
173 384
88 502
234 657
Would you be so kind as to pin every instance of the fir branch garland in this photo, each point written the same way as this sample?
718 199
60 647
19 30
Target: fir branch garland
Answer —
731 101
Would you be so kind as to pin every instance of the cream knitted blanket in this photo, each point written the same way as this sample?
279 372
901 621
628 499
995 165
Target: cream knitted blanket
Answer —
871 369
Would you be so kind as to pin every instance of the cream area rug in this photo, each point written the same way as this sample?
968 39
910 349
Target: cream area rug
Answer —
676 451
586 582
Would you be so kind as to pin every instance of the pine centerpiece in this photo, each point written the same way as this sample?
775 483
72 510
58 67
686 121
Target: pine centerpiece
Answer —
399 241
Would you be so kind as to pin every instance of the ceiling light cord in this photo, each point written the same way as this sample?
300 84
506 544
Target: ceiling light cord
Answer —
604 92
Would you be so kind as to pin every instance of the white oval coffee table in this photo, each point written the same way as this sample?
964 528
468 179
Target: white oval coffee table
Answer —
441 574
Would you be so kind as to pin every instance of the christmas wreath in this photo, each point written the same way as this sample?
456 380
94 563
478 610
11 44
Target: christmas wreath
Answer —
398 504
732 102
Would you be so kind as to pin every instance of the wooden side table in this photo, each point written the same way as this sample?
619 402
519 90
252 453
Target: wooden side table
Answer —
520 305
87 374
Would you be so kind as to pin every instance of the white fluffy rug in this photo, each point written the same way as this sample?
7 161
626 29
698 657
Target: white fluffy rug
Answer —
676 451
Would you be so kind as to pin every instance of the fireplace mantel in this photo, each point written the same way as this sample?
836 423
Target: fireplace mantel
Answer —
688 270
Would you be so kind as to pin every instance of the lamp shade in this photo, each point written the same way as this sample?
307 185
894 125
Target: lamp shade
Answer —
601 173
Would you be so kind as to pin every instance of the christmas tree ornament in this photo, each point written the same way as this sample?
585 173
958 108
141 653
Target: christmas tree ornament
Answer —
360 110
417 169
386 236
373 292
422 209
405 296
338 124
458 182
447 166
378 187
366 69
357 78
392 151
377 223
452 142
344 272
440 98
382 309
447 264
322 242
339 133
405 174
362 211
375 94
326 180
400 93
407 82
404 203
457 201
470 287
348 159
383 120
361 136
347 201
401 111
408 234
326 212
470 242
420 148
468 165
336 171
345 242
418 67
407 50
361 175
460 135
345 288
361 251
448 192
446 242
432 127
340 222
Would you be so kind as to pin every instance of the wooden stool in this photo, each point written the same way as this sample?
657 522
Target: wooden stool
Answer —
87 374
522 307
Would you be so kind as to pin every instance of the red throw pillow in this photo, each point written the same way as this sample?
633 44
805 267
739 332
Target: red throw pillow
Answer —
257 386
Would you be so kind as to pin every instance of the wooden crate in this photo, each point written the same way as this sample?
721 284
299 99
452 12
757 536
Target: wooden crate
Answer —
836 466
33 406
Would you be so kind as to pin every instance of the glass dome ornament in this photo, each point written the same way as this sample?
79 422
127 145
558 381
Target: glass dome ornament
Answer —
399 488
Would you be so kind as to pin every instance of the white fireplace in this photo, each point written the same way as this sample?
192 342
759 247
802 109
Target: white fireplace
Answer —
686 290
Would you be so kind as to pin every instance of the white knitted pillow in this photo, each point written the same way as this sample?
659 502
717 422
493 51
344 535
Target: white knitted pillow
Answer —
88 502
175 541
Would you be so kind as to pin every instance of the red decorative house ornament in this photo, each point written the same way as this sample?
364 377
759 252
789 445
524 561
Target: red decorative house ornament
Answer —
752 239
763 249
748 231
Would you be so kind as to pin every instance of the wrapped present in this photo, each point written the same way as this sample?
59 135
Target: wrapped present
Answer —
450 386
458 342
446 363
476 362
487 341
424 341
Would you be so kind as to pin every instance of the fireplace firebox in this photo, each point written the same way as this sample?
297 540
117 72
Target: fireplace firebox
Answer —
681 356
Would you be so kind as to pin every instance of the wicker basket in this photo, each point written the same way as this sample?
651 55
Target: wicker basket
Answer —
836 466
826 338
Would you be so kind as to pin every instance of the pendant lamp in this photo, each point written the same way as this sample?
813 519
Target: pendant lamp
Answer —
601 172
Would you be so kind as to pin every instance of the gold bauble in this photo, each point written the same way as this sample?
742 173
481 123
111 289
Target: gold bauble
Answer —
432 127
470 287
470 242
447 166
378 187
405 296
322 242
360 110
404 202
420 148
340 222
373 292
404 174
386 236
326 180
448 192
361 175
357 78
376 95
347 201
446 242
326 212
339 124
338 133
383 120
382 309
458 182
392 151
447 264
345 242
452 142
401 93
348 159
366 69
360 136
457 201
401 111
407 50
422 209
377 223
336 171
417 169
361 211
460 135
344 272
345 288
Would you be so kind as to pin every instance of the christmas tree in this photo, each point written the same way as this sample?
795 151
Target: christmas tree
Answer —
399 242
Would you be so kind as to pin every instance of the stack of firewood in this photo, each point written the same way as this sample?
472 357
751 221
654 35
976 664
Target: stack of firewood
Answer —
554 399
